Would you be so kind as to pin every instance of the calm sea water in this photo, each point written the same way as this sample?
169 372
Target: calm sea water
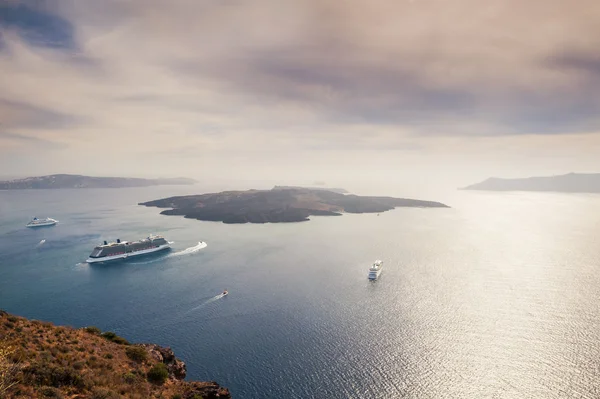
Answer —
498 297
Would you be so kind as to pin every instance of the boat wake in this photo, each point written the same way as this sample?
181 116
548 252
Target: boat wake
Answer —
190 250
40 243
187 251
214 298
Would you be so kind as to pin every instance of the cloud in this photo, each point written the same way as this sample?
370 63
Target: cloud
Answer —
235 78
31 142
28 116
36 25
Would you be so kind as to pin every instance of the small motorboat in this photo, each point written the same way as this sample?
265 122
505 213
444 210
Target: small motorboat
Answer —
225 293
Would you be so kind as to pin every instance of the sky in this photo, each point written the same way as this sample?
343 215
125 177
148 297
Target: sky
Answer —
415 92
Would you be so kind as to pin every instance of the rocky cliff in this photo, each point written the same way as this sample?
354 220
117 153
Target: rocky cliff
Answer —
41 360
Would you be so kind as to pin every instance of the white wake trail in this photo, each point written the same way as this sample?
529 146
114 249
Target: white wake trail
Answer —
187 251
190 250
214 298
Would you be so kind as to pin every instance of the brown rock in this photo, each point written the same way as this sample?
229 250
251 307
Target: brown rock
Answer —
206 390
177 368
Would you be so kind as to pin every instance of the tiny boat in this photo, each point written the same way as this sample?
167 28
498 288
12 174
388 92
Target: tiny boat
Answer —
375 270
225 293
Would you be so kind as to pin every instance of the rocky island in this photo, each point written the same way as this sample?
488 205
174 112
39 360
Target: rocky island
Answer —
569 183
41 360
79 181
278 205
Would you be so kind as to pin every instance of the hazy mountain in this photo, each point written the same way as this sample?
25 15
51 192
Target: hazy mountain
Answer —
569 183
78 181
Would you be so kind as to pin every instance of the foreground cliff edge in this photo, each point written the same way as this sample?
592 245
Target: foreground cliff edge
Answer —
279 205
41 360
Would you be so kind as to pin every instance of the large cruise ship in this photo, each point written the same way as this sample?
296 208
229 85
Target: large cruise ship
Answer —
35 222
125 249
375 270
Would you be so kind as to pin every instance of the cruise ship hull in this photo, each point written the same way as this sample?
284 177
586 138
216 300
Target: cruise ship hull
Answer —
374 275
44 224
129 255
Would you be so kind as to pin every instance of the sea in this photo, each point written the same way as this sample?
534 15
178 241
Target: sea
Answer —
495 297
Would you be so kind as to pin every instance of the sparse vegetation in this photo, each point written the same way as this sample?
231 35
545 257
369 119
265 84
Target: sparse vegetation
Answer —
46 361
136 353
129 378
9 367
111 336
103 393
93 330
158 374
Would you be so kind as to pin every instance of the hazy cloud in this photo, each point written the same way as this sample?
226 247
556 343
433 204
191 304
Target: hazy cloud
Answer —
242 78
31 142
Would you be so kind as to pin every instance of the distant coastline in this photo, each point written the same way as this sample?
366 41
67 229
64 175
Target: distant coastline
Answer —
279 205
61 181
569 183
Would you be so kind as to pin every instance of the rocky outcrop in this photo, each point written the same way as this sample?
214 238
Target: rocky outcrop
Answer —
177 368
206 390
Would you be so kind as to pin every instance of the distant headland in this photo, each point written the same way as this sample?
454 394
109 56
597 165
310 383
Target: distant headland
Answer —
569 183
79 181
278 205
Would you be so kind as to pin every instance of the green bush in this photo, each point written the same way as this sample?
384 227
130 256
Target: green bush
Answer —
129 378
45 374
108 356
176 396
12 319
78 365
103 393
93 330
158 374
51 392
136 353
111 336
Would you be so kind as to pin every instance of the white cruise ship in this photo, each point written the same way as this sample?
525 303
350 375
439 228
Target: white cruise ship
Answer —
125 249
35 222
375 270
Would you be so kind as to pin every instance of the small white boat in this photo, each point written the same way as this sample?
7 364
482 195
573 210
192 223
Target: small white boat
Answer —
375 270
35 222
